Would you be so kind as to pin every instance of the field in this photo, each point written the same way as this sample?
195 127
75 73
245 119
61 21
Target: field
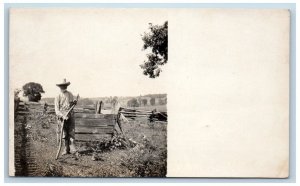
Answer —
140 152
160 108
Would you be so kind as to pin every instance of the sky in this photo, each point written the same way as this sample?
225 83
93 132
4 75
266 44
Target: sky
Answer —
98 50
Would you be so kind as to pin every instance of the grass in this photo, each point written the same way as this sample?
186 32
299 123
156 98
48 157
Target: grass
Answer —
140 152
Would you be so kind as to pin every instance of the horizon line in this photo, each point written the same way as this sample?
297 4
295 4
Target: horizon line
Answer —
114 96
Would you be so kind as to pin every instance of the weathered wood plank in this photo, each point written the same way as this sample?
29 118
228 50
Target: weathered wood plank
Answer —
91 128
95 126
79 110
32 103
91 125
82 130
91 137
95 116
79 127
134 110
94 122
135 113
89 108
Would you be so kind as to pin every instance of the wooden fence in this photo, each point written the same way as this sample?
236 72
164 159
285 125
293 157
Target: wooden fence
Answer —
152 116
89 126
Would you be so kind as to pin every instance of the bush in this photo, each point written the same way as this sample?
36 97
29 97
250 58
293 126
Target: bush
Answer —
144 101
142 162
33 91
133 103
152 101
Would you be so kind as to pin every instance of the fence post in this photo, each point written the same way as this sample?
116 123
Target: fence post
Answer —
98 107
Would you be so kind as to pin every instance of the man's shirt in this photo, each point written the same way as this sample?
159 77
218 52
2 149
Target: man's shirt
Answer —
63 102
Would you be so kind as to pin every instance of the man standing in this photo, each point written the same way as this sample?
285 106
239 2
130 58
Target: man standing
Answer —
63 102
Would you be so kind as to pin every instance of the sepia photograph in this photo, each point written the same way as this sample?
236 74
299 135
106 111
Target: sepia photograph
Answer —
89 92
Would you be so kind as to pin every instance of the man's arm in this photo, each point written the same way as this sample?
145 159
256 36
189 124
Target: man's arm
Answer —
72 100
56 106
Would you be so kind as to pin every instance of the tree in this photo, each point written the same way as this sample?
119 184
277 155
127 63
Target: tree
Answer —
162 101
114 100
115 105
157 41
144 101
33 91
152 101
133 103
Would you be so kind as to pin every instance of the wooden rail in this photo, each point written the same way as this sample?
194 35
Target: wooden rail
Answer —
93 127
89 126
152 116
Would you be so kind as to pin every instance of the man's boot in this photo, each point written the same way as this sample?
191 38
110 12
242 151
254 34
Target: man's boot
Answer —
72 146
67 147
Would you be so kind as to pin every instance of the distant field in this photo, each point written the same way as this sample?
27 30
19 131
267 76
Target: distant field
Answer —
107 107
160 108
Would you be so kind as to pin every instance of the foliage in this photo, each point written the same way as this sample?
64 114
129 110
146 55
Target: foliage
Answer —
33 91
54 170
144 101
147 159
16 93
133 103
157 41
152 101
115 104
114 100
156 95
162 101
118 141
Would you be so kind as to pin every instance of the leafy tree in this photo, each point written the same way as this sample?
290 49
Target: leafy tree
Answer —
157 41
144 101
33 91
114 100
139 99
115 104
152 101
162 101
133 103
107 100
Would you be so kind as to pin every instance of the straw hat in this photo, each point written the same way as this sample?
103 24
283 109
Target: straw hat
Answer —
64 83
